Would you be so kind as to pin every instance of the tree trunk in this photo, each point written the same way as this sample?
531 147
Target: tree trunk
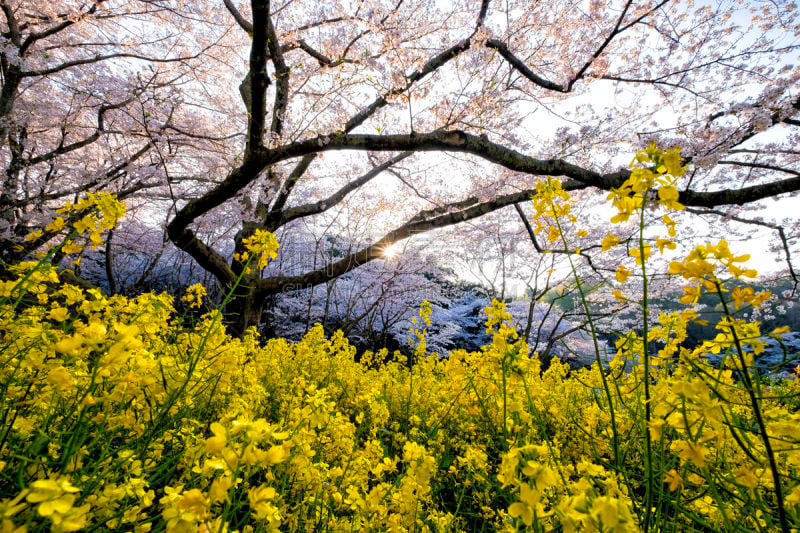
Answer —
243 311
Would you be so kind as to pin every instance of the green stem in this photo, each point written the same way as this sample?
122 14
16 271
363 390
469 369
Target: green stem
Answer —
762 428
615 435
193 361
505 428
648 495
21 283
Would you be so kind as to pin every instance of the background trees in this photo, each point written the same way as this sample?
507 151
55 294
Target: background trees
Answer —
215 118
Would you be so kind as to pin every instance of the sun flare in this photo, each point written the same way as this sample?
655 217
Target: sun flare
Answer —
391 251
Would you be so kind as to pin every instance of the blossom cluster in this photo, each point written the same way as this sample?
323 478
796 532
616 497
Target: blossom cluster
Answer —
261 246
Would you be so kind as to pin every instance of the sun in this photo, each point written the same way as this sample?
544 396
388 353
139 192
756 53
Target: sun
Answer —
391 251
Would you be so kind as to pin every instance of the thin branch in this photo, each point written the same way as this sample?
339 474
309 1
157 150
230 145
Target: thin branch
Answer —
109 263
33 37
523 69
245 24
482 14
289 183
100 179
104 57
281 79
535 241
779 229
760 165
63 149
321 206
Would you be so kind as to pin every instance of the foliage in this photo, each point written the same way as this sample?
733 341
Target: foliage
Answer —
119 415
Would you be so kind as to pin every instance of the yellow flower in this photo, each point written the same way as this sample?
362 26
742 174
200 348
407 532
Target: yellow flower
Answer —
60 378
622 274
670 225
638 255
71 247
96 239
276 454
194 295
551 199
110 208
216 443
529 501
553 234
183 511
609 241
739 272
777 332
741 296
668 197
9 508
33 235
626 205
691 296
672 162
794 496
56 225
745 476
693 452
71 345
611 513
263 245
673 479
56 498
425 312
259 498
662 243
650 166
72 294
59 314
88 222
218 492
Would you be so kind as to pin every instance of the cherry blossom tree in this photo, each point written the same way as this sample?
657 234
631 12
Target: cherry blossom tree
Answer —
223 117
89 90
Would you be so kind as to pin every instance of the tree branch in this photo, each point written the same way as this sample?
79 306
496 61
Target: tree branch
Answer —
105 57
288 186
33 37
101 179
245 24
321 58
459 141
760 165
63 149
417 224
535 241
207 257
482 14
430 66
523 69
281 79
314 208
13 25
